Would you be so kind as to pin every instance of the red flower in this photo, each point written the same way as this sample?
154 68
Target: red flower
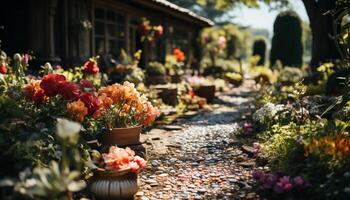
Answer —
51 84
39 97
91 67
3 68
86 84
69 91
159 31
91 102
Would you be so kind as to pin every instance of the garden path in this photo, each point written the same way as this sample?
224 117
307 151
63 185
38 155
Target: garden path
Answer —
205 159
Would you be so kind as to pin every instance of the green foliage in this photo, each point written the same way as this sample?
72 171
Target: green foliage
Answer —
290 75
287 40
58 180
259 49
155 69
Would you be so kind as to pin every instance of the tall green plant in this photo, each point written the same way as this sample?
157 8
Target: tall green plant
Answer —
259 49
287 43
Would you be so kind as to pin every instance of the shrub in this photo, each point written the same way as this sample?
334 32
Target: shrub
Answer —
155 69
287 40
259 49
290 75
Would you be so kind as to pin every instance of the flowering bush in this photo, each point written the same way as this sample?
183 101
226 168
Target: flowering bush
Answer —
333 149
278 183
119 159
267 114
123 106
149 32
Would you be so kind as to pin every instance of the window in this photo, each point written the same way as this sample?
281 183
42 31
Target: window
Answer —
109 32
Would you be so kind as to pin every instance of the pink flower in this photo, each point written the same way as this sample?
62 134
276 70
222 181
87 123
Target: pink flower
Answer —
134 167
298 181
159 31
151 114
257 148
140 161
248 128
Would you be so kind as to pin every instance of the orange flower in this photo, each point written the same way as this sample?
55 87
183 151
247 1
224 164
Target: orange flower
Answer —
106 102
31 88
335 145
33 91
113 92
179 55
77 110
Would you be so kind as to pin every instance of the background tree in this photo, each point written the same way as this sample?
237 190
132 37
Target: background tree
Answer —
259 49
287 44
207 9
323 46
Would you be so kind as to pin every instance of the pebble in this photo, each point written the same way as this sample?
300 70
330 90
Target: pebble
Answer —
208 162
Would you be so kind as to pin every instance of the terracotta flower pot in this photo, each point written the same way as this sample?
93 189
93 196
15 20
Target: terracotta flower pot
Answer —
206 91
176 78
122 136
158 80
169 96
114 184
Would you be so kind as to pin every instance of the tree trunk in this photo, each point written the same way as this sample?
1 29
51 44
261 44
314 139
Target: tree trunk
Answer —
323 46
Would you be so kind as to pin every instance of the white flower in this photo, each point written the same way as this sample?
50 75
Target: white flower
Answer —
267 113
68 130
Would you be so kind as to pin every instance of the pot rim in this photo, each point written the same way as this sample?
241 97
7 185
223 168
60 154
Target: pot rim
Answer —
111 173
133 127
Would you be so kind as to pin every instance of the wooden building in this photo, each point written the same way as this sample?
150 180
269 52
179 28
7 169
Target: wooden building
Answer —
70 31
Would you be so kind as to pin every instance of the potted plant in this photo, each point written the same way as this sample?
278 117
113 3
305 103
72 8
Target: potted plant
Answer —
175 64
123 113
115 174
203 87
156 74
235 79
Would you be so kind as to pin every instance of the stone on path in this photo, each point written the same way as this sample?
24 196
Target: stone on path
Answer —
202 159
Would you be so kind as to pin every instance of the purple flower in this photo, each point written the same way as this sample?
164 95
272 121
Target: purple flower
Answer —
278 188
298 181
248 128
258 174
287 187
284 179
270 180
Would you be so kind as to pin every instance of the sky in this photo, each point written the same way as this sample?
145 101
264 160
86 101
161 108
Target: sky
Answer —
264 17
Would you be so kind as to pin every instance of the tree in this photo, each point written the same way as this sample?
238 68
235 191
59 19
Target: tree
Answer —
287 45
208 10
323 46
321 24
259 49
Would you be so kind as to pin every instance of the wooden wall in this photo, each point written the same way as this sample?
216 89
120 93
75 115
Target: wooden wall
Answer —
52 29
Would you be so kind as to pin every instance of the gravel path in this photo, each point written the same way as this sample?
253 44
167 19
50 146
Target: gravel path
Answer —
204 160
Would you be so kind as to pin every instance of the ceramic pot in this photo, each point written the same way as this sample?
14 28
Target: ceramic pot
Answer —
122 136
206 91
107 185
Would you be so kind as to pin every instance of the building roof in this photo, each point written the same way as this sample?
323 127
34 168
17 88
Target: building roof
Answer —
178 11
